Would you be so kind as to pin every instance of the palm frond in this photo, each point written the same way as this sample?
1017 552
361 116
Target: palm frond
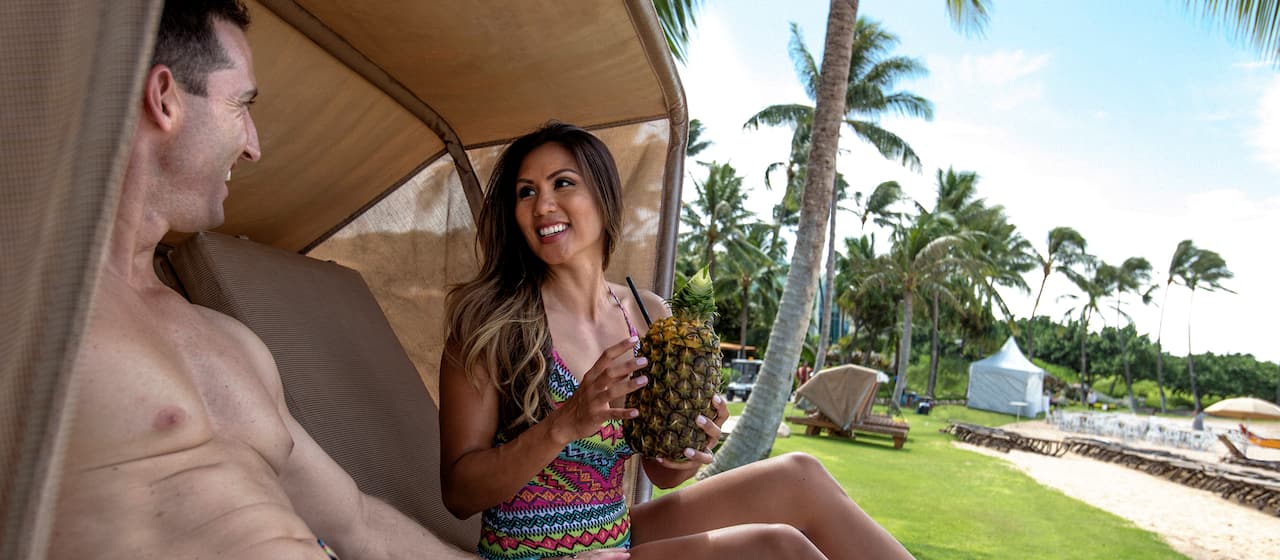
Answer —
890 145
1257 21
806 67
678 18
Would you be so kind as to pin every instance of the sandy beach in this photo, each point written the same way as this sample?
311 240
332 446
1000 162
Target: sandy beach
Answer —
1197 523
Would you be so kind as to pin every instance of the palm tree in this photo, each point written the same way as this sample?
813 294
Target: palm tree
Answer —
696 143
716 219
1066 248
926 253
878 204
1094 288
759 421
1207 270
746 261
1179 266
871 74
1131 277
754 433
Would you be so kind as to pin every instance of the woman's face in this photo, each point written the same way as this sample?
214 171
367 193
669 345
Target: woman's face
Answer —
556 207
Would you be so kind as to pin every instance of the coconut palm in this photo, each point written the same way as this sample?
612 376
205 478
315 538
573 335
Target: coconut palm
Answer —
1179 266
1207 270
1000 252
716 218
754 433
1095 285
696 143
758 424
745 263
879 205
925 254
872 74
1132 276
1066 248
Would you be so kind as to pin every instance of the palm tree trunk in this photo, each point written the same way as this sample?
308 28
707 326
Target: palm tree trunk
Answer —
933 350
828 291
1031 333
1160 349
758 425
1128 377
853 345
742 318
1084 359
1191 364
904 352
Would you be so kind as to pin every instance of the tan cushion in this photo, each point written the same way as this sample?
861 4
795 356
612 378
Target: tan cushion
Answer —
346 378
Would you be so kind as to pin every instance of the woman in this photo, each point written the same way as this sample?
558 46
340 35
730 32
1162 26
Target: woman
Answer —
534 378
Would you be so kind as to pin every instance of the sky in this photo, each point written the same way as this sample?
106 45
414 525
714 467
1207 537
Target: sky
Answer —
1137 123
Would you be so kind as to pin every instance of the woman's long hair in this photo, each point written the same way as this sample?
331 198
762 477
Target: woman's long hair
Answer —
496 320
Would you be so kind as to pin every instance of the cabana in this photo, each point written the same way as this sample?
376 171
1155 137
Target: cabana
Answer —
379 124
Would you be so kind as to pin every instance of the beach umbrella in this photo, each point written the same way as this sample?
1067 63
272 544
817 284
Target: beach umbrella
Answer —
1246 408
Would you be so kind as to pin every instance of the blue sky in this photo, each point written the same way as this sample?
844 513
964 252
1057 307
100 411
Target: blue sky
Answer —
1137 123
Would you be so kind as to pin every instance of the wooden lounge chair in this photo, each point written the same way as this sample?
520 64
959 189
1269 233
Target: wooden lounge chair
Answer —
847 393
1269 443
1235 456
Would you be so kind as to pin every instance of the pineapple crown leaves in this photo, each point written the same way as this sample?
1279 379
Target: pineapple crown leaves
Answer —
696 299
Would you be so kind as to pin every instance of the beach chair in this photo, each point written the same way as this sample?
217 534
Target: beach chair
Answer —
1235 456
1254 438
843 397
346 377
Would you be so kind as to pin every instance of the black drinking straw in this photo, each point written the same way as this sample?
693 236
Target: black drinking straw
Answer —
636 294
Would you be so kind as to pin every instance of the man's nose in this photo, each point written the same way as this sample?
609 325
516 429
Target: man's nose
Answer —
252 149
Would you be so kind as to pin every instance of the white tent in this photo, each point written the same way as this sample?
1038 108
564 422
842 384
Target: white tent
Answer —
1000 381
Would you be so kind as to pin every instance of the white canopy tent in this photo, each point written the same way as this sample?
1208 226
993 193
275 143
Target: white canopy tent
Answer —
1007 377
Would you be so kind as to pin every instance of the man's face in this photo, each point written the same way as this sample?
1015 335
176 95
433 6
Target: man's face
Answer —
215 132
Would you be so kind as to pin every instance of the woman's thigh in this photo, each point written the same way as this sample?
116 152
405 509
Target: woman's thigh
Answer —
769 491
741 541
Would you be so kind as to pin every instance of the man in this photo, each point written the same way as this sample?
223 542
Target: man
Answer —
182 445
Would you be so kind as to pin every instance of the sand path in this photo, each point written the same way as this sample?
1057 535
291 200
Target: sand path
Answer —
1194 522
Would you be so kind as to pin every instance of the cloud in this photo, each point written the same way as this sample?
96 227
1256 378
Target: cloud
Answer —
1266 135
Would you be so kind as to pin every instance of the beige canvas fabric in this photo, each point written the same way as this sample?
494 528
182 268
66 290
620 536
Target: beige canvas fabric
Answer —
357 99
346 379
840 393
69 71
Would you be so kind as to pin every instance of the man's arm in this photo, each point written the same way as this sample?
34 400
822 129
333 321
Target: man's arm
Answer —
355 524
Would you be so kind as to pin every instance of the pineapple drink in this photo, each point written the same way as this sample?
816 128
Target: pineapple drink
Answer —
684 372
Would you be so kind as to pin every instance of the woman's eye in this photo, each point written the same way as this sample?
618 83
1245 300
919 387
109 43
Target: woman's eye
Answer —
524 192
562 182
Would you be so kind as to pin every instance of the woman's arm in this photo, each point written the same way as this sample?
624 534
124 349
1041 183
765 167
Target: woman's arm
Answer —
474 474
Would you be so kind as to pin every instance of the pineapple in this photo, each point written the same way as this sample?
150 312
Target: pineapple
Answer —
684 372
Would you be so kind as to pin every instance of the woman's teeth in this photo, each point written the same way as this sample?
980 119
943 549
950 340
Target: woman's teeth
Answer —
551 230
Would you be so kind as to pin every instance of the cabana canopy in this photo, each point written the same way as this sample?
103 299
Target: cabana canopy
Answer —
379 124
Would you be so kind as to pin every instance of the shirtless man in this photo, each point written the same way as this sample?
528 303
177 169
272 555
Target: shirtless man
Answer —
182 445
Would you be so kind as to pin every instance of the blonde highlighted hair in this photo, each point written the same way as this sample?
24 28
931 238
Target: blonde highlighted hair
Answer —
496 320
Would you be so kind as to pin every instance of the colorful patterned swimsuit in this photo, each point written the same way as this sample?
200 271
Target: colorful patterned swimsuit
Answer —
576 503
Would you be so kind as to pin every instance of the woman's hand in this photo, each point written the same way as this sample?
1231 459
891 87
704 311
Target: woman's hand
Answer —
591 404
699 457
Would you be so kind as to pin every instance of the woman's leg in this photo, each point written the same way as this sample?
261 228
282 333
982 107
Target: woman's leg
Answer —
742 541
793 489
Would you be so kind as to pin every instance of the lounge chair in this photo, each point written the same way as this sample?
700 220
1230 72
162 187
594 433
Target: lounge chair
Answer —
843 397
346 378
1269 443
1235 456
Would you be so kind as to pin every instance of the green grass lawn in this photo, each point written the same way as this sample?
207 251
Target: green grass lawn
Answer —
947 503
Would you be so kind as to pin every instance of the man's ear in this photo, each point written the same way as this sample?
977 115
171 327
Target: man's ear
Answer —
160 99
